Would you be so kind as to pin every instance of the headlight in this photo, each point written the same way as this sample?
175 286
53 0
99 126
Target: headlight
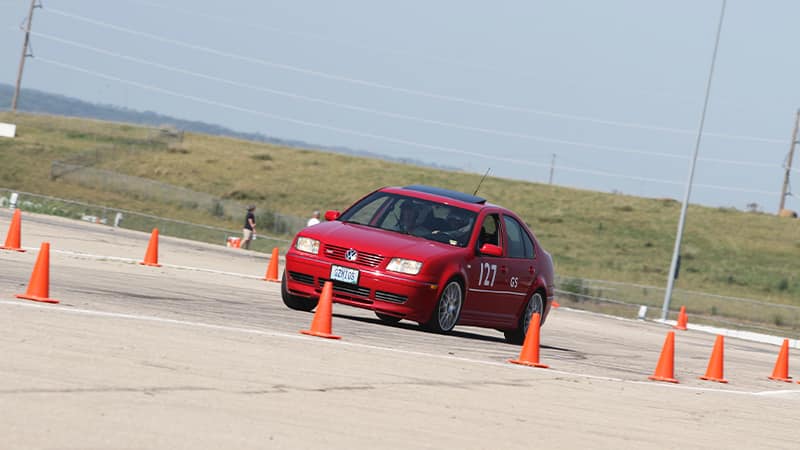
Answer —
401 265
307 245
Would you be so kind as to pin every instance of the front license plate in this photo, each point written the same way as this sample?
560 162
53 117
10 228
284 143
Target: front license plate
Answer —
344 274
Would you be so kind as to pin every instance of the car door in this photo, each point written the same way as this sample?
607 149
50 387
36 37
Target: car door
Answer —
487 284
519 265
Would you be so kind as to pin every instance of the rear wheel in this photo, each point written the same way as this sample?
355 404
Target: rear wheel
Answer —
387 318
535 305
294 301
448 309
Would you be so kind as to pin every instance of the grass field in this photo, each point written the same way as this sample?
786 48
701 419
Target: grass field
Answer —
591 235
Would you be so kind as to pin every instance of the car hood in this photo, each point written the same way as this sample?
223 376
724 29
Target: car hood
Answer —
375 240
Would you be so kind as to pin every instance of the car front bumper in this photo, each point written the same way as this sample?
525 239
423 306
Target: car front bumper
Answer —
378 290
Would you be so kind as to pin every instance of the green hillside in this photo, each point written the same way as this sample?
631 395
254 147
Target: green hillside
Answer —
591 235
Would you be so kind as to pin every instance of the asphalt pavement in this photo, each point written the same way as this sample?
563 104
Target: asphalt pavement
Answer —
202 353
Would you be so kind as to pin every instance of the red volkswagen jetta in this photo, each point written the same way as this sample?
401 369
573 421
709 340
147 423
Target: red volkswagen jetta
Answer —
434 256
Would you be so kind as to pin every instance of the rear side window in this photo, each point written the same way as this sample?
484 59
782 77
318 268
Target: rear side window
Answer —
519 243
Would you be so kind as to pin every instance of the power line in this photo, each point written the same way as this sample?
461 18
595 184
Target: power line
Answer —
409 91
318 37
378 137
407 117
278 117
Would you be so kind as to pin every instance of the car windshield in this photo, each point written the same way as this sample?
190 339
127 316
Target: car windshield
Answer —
407 215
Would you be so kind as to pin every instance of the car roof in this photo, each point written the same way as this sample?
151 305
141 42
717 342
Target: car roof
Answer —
466 201
455 195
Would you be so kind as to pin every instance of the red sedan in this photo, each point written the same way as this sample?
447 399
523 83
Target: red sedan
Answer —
434 256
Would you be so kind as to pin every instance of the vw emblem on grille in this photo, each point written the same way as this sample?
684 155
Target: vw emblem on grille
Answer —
351 255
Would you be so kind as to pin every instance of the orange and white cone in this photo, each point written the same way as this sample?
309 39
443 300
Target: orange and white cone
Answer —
151 257
683 319
39 286
14 233
529 355
716 363
666 362
321 324
781 370
272 268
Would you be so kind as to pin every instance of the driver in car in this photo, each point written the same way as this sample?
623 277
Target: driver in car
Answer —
409 218
458 226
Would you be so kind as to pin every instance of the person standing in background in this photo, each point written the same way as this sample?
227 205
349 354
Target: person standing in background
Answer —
314 219
249 227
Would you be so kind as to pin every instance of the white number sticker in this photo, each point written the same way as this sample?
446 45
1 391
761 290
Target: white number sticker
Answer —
488 274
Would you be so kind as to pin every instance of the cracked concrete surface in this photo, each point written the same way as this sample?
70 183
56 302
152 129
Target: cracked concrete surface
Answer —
139 357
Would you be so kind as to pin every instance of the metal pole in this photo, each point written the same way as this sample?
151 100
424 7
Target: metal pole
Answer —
675 255
789 164
552 168
25 45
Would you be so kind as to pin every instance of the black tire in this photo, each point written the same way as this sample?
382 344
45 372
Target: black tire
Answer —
295 302
387 318
448 308
535 304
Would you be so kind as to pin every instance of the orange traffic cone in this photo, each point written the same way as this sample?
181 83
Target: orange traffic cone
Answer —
715 364
13 236
666 363
529 355
151 257
321 324
683 319
781 370
272 269
555 303
39 286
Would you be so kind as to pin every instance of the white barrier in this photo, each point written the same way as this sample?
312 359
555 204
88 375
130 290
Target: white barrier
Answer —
8 130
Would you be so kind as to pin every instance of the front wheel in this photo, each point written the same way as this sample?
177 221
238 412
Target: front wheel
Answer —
448 308
535 305
295 302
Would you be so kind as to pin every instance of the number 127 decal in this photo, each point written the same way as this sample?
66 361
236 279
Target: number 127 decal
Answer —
488 274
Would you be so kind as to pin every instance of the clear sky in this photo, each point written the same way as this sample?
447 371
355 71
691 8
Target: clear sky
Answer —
613 89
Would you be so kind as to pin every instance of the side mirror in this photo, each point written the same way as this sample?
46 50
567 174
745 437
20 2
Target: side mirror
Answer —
331 215
491 250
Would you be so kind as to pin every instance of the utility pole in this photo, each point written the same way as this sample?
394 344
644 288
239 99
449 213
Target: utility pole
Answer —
788 167
673 268
25 54
552 168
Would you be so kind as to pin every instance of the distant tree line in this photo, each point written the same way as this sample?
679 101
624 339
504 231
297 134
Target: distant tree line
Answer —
35 101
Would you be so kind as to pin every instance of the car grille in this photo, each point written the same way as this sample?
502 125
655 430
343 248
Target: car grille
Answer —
389 297
302 278
364 258
349 290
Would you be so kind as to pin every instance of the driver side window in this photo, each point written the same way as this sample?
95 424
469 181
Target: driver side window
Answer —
490 231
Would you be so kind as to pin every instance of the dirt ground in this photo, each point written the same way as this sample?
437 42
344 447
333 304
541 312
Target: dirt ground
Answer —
201 353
